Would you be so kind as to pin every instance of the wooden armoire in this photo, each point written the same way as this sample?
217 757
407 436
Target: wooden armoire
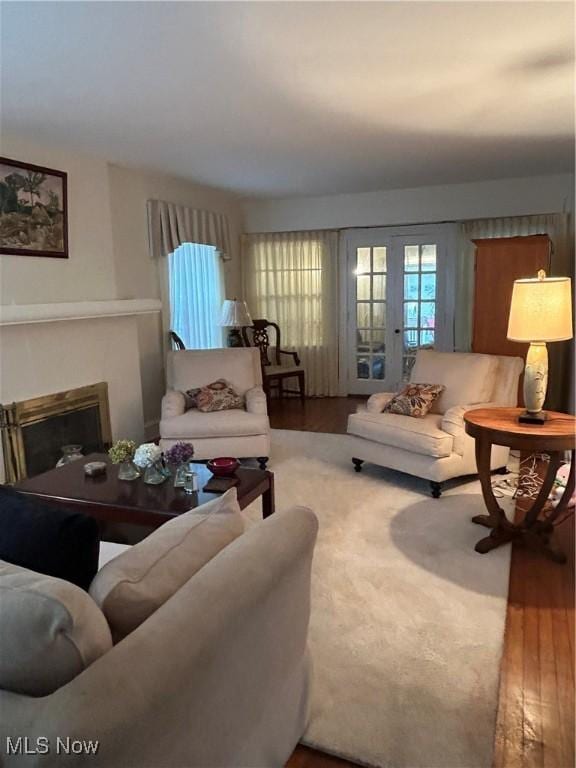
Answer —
500 261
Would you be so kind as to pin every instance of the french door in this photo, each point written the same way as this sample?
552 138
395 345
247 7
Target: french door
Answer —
399 286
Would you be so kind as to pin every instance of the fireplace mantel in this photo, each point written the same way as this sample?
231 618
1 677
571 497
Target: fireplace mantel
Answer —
23 314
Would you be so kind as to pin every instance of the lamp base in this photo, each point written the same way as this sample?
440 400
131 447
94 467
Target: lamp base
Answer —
533 418
235 338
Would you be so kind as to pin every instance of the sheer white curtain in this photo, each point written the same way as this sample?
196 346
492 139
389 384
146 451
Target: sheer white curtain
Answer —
196 290
292 279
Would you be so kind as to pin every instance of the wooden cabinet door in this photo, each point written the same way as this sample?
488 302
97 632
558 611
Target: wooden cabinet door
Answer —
500 261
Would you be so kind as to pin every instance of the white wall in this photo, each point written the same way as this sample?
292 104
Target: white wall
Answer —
137 274
453 202
89 272
108 246
45 358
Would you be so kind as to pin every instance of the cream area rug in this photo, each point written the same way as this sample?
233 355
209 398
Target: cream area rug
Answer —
407 620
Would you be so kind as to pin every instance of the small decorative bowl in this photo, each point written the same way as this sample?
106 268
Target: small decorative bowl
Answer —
223 466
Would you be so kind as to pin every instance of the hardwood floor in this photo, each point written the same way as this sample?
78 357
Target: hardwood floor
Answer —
535 725
321 414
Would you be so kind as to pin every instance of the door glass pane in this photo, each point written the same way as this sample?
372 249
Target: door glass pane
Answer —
410 314
379 255
378 314
426 338
362 260
410 341
427 286
427 314
428 258
411 258
363 341
363 287
407 365
363 315
379 287
378 367
411 286
378 340
363 367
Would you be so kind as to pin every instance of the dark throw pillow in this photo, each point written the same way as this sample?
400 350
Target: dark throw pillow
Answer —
190 397
47 539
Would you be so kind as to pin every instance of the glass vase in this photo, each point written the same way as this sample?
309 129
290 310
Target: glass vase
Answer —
127 470
70 453
154 474
180 475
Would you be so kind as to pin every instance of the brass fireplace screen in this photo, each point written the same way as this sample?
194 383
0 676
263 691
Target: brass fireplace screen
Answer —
34 431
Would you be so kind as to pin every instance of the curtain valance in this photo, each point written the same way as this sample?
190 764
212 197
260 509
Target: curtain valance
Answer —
171 225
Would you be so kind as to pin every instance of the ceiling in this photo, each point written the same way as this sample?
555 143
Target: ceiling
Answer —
271 99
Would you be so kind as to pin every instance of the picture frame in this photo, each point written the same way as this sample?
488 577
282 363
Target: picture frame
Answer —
33 210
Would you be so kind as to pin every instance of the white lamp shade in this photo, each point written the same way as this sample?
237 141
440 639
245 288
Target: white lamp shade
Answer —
541 310
235 314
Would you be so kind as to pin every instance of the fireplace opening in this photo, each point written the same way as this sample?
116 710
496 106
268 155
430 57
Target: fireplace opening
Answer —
34 431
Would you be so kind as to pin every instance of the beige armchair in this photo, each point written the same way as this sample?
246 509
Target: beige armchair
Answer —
244 433
437 447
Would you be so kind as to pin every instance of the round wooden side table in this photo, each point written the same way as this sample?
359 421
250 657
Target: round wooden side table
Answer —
500 426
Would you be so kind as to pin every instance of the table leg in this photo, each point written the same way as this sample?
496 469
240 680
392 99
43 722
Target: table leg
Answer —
495 516
538 532
268 497
502 530
553 466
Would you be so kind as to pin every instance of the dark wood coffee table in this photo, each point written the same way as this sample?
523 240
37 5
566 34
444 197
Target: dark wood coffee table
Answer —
134 502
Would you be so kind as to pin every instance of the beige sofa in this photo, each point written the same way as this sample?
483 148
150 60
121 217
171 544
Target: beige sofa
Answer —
218 676
241 433
436 447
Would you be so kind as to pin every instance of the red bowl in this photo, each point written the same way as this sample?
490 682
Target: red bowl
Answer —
223 466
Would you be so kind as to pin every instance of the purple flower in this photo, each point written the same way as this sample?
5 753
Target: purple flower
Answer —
179 453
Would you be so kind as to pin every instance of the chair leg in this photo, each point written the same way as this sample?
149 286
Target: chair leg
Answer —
302 386
435 489
358 464
262 461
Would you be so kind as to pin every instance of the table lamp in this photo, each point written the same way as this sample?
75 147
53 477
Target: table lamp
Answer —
541 311
234 315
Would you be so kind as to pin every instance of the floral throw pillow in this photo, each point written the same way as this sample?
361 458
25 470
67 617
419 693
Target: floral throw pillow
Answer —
414 400
218 396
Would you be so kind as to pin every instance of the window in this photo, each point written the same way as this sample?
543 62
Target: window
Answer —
287 287
291 279
196 295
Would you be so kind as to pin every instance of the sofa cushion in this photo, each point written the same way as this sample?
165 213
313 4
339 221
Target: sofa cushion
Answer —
50 630
415 435
468 377
234 423
47 539
137 582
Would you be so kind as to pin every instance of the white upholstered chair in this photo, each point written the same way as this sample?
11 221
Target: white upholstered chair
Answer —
244 433
436 447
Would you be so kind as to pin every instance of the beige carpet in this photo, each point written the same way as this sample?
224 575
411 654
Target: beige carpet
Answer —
407 620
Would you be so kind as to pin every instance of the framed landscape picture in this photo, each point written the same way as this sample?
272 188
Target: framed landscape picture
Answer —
33 210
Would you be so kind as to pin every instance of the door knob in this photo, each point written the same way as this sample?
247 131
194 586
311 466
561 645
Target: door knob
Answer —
396 330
